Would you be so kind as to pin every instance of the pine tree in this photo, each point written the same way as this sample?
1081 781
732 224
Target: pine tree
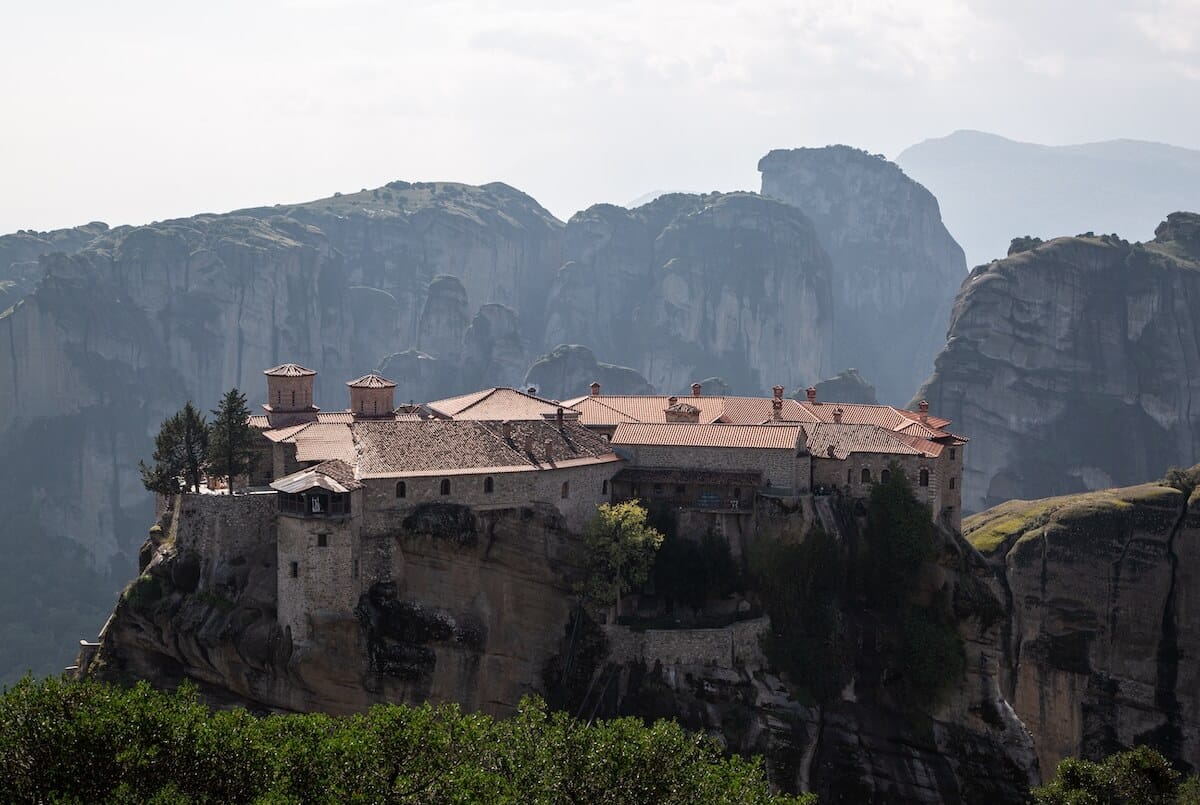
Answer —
231 445
180 453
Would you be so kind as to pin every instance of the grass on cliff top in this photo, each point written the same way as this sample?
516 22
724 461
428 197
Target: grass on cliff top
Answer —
1016 520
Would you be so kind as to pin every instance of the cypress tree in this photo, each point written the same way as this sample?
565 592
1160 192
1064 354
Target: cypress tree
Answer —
231 445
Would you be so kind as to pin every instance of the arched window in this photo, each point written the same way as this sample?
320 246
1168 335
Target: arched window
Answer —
866 475
951 482
293 398
923 478
401 489
279 398
566 490
445 489
604 487
489 486
883 476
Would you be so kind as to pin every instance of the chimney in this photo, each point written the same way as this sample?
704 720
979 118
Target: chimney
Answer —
923 407
507 429
777 408
531 390
673 399
549 445
778 392
837 414
696 389
595 387
529 445
829 451
811 391
558 415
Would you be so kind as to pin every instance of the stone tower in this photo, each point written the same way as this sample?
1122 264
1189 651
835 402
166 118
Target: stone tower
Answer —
372 396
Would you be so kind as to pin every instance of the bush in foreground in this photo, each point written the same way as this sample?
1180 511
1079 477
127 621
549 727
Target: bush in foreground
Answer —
1139 776
68 741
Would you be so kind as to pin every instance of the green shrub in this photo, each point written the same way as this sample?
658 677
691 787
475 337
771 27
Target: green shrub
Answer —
1139 776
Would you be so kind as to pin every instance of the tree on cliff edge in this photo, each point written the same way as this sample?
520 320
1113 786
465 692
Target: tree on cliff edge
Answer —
231 446
180 451
620 550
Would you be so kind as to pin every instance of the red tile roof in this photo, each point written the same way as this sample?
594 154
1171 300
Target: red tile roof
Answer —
497 404
371 381
766 437
289 370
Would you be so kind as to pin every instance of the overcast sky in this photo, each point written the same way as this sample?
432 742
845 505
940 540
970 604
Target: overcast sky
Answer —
132 111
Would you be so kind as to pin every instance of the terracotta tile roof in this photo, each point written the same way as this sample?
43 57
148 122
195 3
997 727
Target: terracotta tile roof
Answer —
496 404
394 449
371 381
758 410
845 439
321 441
767 437
611 409
334 476
289 370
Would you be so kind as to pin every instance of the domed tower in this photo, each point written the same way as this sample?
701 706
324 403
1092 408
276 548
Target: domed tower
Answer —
290 395
372 396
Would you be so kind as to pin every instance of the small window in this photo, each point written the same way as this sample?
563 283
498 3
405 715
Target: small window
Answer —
604 487
279 398
354 571
566 490
923 478
866 475
953 453
445 488
884 475
951 482
293 398
635 490
658 489
849 477
322 540
737 493
489 486
680 489
401 489
295 568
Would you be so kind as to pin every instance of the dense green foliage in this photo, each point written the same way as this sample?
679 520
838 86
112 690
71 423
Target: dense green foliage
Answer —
826 600
180 453
620 550
90 742
692 571
1140 776
231 442
800 584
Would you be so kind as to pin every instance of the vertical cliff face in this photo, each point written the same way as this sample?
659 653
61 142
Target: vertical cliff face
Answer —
1103 590
734 285
1071 365
895 267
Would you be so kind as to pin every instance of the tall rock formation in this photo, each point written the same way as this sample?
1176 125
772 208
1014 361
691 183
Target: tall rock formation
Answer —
1102 589
1072 365
895 267
685 287
570 370
19 253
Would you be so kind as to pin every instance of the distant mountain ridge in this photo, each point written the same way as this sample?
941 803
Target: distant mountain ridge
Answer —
992 189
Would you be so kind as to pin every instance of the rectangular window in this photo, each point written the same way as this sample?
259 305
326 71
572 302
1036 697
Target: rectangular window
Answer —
322 540
354 571
295 570
953 453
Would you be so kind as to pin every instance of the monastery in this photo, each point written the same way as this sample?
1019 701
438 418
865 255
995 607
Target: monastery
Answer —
341 475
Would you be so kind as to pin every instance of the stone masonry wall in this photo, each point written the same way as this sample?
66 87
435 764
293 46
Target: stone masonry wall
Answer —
586 490
780 468
938 495
727 648
222 526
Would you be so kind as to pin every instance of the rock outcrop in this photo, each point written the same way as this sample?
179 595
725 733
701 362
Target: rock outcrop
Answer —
19 253
1071 366
734 285
895 267
570 369
1102 589
846 386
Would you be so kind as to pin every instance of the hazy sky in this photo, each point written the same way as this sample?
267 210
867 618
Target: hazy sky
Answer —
132 111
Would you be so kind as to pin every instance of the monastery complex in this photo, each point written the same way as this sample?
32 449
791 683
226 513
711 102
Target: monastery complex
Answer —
342 476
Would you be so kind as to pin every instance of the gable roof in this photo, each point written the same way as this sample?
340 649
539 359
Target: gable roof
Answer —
764 437
332 476
497 404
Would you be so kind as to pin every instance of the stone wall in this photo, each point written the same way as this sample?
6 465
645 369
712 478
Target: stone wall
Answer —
317 567
735 646
847 476
586 489
220 527
780 468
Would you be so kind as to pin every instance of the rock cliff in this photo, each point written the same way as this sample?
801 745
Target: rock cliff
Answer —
733 285
478 608
1102 589
895 267
570 369
1071 365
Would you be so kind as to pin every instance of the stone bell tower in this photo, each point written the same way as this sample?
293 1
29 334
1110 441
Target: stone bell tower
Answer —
372 396
290 395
